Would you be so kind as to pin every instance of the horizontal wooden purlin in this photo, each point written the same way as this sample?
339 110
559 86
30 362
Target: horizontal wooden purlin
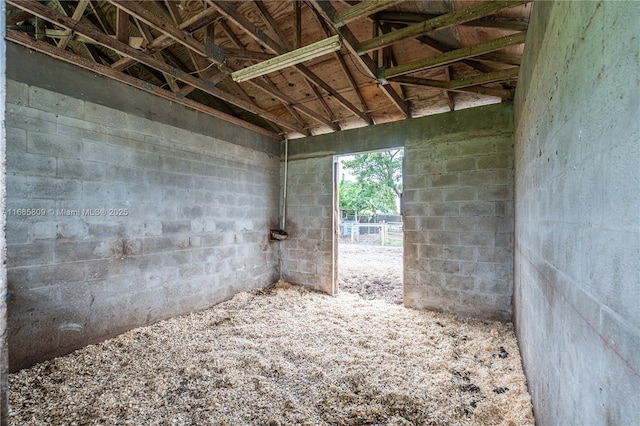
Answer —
64 55
360 10
499 58
493 77
452 56
192 24
229 11
500 22
475 11
444 85
123 49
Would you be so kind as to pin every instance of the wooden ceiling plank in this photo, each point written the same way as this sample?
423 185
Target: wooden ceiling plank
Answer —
125 50
453 56
43 47
343 64
361 10
229 11
475 11
272 24
327 11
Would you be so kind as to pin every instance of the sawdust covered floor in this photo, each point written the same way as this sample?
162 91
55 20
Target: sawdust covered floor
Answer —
285 356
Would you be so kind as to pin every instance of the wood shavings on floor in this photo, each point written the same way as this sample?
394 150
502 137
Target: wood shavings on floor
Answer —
285 356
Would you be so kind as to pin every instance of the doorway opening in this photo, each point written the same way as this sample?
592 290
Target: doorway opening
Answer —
369 229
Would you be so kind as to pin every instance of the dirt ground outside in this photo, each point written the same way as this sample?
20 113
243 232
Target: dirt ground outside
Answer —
370 271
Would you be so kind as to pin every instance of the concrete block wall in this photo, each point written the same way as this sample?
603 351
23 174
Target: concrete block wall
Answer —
577 247
117 220
308 253
458 216
458 205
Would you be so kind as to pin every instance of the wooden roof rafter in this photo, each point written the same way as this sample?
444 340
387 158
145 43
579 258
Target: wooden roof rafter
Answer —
229 11
327 11
477 10
187 50
125 50
69 57
273 25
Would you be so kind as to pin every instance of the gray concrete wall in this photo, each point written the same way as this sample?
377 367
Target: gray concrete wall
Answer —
117 217
458 214
4 360
458 205
577 247
308 253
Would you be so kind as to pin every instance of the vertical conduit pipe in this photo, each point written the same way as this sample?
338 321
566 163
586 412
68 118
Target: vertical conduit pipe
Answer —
284 189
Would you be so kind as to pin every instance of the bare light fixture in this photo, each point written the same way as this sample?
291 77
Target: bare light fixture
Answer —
288 59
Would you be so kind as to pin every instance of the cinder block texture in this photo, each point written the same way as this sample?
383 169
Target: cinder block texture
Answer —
458 215
577 247
308 254
116 221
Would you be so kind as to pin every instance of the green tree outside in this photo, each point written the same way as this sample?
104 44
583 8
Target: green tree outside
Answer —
378 182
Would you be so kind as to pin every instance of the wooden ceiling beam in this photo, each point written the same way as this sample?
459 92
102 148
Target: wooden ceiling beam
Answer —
497 57
153 20
194 45
452 56
102 18
146 33
77 15
229 11
327 11
282 38
125 50
443 85
122 26
475 11
463 83
15 16
190 25
361 10
297 24
440 47
499 22
66 56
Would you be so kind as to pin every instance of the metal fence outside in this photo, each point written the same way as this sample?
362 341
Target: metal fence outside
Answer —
384 233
